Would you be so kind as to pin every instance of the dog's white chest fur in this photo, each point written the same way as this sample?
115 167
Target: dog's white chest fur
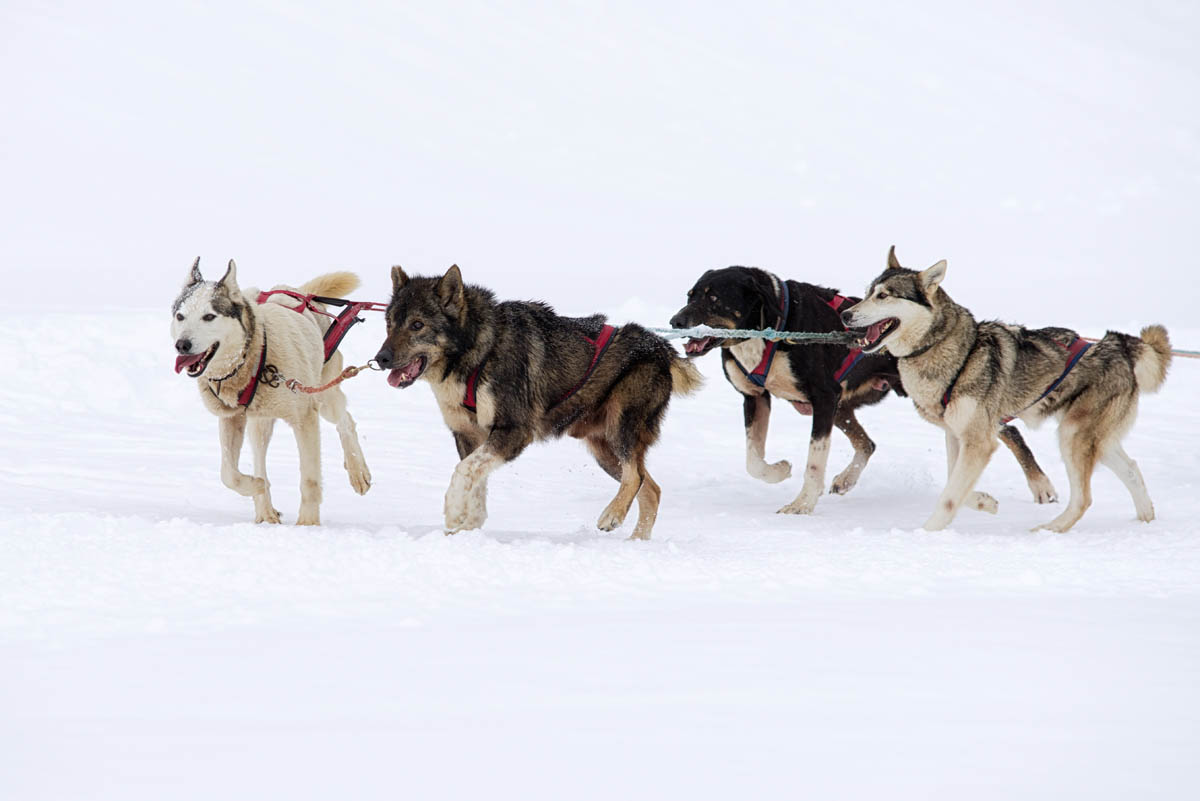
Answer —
780 381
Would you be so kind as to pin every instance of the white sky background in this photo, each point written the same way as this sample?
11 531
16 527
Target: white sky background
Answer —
589 156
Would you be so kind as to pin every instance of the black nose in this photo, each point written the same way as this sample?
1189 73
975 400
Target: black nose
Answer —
183 345
847 316
679 321
384 357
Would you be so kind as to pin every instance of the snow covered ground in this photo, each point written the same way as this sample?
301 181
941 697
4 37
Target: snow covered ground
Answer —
154 644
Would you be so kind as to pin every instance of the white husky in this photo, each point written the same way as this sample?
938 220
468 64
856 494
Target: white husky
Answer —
240 350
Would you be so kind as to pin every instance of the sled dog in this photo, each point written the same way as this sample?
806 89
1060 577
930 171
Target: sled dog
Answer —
969 377
239 350
508 374
828 382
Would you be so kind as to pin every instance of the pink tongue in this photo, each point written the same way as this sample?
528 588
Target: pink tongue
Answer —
187 361
396 376
875 331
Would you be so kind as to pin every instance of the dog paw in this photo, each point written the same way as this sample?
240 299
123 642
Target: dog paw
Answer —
638 536
774 473
798 507
360 479
843 483
1146 515
269 516
937 523
309 515
610 519
1043 491
982 502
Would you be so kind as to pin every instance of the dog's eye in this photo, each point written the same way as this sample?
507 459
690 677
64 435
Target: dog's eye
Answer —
881 296
179 317
208 318
416 325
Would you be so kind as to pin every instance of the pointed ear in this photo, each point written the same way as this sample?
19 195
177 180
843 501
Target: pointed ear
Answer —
194 276
229 279
893 262
933 276
399 278
450 289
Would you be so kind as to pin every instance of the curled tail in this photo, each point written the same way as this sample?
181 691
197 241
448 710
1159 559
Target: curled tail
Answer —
1150 369
685 378
331 285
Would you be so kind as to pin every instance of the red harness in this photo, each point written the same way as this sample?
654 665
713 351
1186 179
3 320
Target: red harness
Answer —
599 346
333 336
341 324
856 354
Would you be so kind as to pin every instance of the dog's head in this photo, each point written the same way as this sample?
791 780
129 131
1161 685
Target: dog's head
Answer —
898 308
732 297
426 320
209 317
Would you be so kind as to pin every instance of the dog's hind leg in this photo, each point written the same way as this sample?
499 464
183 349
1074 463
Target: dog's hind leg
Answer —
260 429
333 409
757 412
308 441
848 424
648 498
1117 460
824 408
1079 448
979 501
604 455
1039 482
231 431
631 484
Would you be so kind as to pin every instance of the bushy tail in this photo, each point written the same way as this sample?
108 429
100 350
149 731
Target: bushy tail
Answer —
331 285
1152 363
685 378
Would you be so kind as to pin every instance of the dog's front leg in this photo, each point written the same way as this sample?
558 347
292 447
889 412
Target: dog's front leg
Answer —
977 500
971 452
308 442
466 498
757 411
231 431
260 438
824 408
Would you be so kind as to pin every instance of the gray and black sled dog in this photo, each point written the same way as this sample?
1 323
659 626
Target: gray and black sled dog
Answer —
240 346
508 374
969 377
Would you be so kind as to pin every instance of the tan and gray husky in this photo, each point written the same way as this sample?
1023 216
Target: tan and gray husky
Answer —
969 377
240 350
508 374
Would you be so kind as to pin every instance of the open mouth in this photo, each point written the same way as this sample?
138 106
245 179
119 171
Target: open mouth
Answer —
195 363
699 347
402 377
877 332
